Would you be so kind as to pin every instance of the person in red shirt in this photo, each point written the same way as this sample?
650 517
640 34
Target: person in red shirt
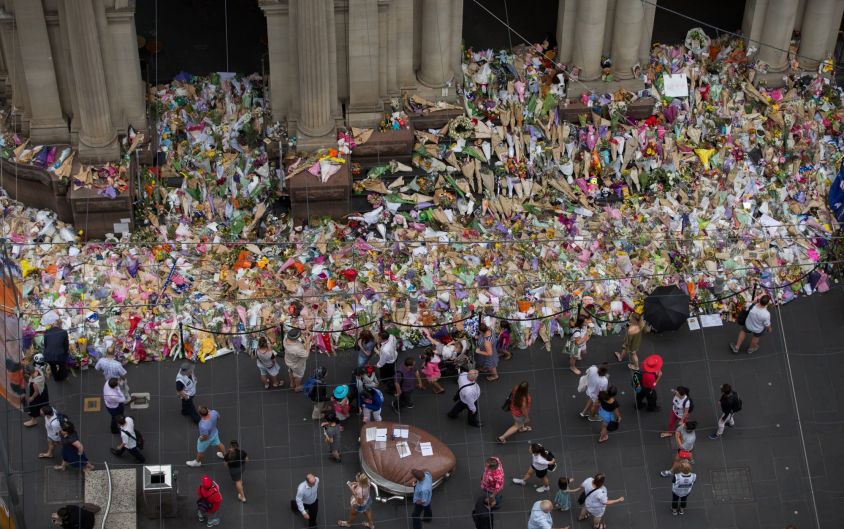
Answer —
492 481
651 373
208 500
519 408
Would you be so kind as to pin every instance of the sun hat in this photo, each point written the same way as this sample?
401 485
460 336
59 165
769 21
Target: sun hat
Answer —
294 334
652 364
340 392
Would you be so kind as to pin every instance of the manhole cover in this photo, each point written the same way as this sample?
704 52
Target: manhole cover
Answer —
63 487
732 485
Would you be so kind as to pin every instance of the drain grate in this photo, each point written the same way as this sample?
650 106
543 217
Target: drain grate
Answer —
63 487
732 485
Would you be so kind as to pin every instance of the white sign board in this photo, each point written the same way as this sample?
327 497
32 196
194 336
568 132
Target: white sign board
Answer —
675 85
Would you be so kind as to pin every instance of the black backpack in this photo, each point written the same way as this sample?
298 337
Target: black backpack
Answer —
736 403
691 404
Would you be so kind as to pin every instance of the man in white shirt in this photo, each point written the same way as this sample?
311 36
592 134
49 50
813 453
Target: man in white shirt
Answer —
758 320
540 515
112 368
468 393
52 424
387 349
306 502
128 439
597 381
114 399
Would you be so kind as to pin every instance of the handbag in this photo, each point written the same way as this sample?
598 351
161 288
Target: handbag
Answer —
582 498
457 395
138 437
582 383
741 319
612 426
507 402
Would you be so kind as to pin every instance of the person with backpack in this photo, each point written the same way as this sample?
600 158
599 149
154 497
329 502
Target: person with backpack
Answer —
609 412
757 320
208 501
316 389
53 424
681 487
542 462
648 378
37 395
595 500
681 407
730 405
371 402
468 393
130 439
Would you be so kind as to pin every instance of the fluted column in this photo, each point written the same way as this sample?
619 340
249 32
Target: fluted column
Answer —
279 49
455 52
818 22
566 13
435 66
315 69
754 21
832 38
589 38
47 124
130 85
97 138
776 34
404 13
646 36
364 31
627 34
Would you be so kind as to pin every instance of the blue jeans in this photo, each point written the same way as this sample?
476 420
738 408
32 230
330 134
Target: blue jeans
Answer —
417 515
362 359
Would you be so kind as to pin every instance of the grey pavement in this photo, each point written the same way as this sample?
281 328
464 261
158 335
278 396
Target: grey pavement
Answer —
757 476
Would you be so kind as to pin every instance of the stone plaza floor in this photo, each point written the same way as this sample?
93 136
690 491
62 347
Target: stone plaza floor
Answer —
758 476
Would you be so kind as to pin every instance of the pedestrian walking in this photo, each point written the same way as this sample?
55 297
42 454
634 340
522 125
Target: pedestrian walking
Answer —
681 487
365 346
296 351
56 346
597 380
208 501
114 399
685 438
542 461
37 395
758 320
268 368
609 412
502 343
422 492
540 515
361 502
562 499
76 516
730 405
649 378
186 390
681 407
53 426
209 435
632 341
482 514
405 382
306 502
387 356
486 356
73 452
576 344
340 402
332 433
317 390
492 480
430 372
110 367
131 439
372 400
595 500
236 459
468 393
519 407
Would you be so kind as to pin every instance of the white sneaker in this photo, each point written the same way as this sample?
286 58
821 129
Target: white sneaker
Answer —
518 481
193 463
543 488
665 473
220 455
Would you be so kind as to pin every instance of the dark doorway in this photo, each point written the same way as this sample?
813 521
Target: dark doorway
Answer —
191 35
672 28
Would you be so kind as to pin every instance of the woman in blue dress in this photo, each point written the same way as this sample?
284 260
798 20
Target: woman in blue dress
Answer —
73 453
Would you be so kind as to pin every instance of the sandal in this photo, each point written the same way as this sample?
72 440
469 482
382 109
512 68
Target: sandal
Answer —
582 518
502 441
343 523
663 435
604 440
266 386
618 356
43 455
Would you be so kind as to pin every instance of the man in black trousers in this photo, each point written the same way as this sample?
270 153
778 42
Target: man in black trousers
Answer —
56 346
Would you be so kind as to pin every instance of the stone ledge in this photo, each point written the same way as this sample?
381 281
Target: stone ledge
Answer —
124 494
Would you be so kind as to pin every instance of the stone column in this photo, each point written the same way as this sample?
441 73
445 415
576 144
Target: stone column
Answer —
648 17
393 38
97 139
404 66
279 49
609 24
129 84
313 17
435 65
818 22
364 101
753 21
17 79
832 39
110 67
47 124
566 13
776 35
455 51
589 38
627 35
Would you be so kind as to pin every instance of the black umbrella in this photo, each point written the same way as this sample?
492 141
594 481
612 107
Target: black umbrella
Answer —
667 308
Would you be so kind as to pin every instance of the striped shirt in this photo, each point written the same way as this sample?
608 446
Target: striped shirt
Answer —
110 367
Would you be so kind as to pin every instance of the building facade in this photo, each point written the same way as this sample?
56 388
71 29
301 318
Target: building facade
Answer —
71 72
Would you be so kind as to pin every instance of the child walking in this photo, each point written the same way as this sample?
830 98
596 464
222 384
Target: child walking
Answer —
431 371
562 500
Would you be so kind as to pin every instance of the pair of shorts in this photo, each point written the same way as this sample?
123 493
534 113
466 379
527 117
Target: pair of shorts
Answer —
756 334
236 473
365 507
539 473
202 446
520 420
269 372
